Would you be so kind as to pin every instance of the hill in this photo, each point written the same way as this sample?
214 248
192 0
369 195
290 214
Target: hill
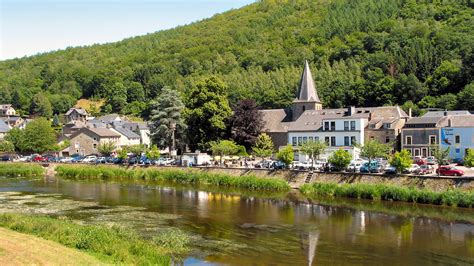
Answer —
366 53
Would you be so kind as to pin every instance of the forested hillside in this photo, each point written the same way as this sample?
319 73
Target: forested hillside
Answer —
365 53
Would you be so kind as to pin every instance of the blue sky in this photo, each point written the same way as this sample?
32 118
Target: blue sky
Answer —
29 27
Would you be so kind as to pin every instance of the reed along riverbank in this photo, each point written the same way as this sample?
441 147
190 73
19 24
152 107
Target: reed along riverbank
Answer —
180 176
21 169
452 197
108 244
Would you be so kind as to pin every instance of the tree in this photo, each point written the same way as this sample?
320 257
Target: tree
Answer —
39 135
135 92
16 136
207 109
106 148
263 146
466 97
153 153
122 153
374 149
246 122
166 119
136 149
401 161
313 149
469 158
286 155
41 106
340 159
223 148
6 146
56 122
441 155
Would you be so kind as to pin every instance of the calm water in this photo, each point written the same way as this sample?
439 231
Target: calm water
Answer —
232 229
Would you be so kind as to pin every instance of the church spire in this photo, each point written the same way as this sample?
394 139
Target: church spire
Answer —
307 89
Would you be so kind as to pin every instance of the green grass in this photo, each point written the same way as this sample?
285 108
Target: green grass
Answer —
20 169
454 198
180 176
109 244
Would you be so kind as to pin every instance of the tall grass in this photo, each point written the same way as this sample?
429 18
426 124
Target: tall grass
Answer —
20 169
111 245
455 198
179 176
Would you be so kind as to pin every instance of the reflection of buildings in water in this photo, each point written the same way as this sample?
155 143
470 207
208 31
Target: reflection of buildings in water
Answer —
313 243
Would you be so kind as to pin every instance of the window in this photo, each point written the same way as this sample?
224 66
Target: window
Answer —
387 139
346 141
432 151
432 139
305 139
94 145
333 141
353 141
316 138
294 141
326 139
95 139
304 108
346 125
300 140
387 125
326 126
333 126
424 152
408 140
372 137
457 139
310 138
417 152
353 125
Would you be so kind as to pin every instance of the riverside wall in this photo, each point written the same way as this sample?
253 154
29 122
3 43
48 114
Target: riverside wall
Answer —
297 178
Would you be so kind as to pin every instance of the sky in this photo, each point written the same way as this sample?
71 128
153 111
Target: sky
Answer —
28 27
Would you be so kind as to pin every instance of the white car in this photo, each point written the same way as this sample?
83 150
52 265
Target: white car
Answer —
24 159
66 160
89 159
414 169
355 167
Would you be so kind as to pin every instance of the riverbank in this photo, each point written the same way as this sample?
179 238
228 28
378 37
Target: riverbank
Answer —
453 197
22 249
174 175
21 169
109 245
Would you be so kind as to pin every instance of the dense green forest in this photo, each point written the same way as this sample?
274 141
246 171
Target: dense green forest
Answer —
364 52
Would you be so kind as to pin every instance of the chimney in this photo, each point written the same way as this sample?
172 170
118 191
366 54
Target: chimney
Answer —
409 113
350 110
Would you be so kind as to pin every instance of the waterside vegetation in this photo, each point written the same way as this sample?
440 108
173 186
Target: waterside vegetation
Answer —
20 169
179 176
453 197
108 244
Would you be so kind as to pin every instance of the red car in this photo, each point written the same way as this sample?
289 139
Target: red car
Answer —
420 161
39 158
449 170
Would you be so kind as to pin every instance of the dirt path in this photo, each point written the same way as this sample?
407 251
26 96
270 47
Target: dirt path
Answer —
21 249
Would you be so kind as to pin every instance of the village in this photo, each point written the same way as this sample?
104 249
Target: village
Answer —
345 129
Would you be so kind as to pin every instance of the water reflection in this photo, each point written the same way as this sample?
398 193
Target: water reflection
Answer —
237 229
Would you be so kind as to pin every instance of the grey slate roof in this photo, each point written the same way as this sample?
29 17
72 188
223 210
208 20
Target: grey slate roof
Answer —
442 113
426 120
103 132
127 132
307 89
4 128
274 120
108 118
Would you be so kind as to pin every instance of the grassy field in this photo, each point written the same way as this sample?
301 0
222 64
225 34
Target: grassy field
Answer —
107 244
21 169
22 249
453 197
179 176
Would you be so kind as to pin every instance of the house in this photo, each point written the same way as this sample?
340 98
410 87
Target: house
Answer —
7 110
76 114
458 135
385 125
12 121
421 136
4 128
140 128
127 137
195 158
86 140
110 118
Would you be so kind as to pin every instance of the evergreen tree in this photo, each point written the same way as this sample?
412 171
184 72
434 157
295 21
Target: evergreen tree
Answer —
166 116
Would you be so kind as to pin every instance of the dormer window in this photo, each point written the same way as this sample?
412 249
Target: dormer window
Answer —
387 125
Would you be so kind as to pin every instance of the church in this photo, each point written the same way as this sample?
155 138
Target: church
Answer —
340 128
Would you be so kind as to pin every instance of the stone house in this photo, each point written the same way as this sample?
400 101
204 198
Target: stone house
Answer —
76 114
386 125
4 128
86 140
7 110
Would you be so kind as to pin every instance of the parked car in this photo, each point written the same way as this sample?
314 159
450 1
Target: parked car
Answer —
66 160
38 158
101 160
24 159
413 169
354 167
89 159
77 159
277 165
425 169
449 171
459 161
391 170
374 167
420 160
431 160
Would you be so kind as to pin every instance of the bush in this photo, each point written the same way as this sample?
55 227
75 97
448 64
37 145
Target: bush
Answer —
340 159
20 169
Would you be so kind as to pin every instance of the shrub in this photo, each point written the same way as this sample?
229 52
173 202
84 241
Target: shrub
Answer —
20 169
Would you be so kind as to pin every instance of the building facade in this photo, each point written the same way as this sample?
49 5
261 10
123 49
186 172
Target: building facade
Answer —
458 136
7 110
87 140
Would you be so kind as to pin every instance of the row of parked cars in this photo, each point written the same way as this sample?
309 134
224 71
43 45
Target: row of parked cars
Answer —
94 159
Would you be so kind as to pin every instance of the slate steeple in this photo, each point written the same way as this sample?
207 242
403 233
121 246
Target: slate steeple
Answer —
307 97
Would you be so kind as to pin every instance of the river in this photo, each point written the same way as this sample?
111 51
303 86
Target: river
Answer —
232 228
